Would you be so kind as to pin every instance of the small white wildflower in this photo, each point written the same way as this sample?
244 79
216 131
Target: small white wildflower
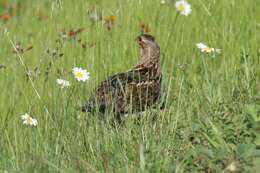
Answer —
206 49
63 83
80 74
29 120
183 7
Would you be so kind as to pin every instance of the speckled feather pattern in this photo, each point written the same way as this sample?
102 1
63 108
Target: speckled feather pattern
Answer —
134 90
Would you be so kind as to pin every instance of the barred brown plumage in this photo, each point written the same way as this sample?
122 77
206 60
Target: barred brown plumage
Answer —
134 90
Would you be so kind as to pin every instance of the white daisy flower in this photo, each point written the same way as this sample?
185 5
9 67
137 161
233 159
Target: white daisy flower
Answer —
206 49
63 83
183 7
80 74
29 120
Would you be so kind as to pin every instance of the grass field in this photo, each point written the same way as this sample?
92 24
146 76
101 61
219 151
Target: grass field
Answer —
212 118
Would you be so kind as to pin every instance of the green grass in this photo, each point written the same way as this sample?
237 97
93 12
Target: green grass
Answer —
211 121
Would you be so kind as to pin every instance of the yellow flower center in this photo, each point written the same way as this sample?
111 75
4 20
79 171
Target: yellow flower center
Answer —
208 50
79 75
29 120
181 8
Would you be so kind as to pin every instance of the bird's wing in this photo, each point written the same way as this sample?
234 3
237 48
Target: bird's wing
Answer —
116 88
132 76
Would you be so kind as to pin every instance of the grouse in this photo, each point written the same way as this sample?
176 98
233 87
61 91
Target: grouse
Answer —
132 91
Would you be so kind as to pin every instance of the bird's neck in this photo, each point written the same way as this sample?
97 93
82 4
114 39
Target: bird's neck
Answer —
150 59
149 56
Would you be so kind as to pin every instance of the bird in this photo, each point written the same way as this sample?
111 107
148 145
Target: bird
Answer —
132 91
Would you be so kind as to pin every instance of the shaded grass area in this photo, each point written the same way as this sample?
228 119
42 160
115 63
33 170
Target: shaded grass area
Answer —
211 120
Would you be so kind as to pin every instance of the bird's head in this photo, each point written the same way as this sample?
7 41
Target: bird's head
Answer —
146 40
149 49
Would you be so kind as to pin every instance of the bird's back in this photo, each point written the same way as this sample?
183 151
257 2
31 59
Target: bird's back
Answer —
127 92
